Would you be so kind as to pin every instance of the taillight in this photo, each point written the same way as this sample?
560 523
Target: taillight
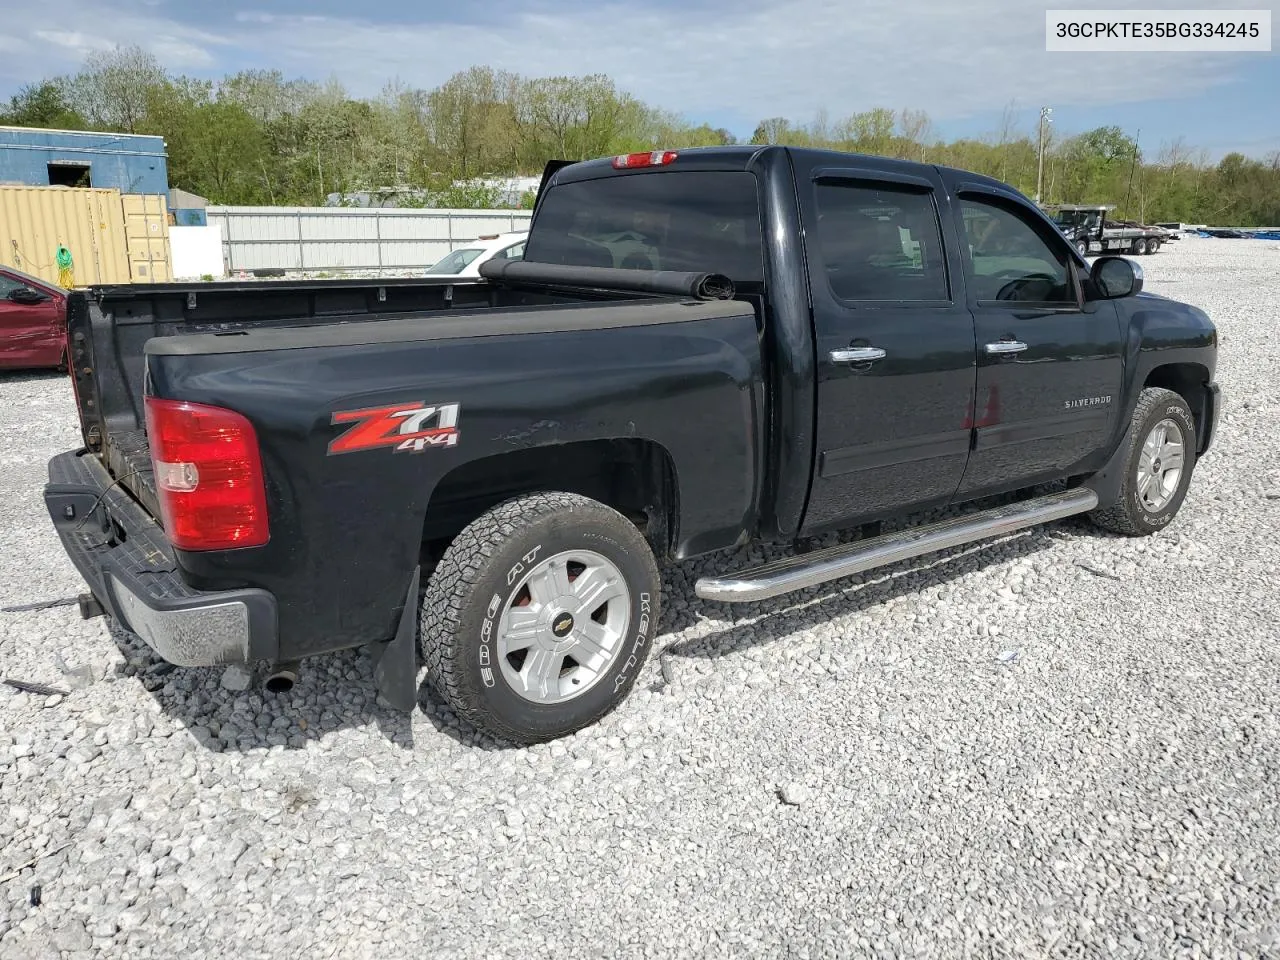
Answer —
658 158
208 475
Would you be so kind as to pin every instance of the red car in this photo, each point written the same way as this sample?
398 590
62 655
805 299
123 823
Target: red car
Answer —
33 321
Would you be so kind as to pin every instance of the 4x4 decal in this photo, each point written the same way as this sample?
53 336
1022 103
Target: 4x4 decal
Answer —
412 427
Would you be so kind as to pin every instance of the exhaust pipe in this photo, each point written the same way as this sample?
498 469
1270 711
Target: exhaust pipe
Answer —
282 677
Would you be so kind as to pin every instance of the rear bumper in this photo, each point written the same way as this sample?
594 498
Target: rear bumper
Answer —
1213 411
130 567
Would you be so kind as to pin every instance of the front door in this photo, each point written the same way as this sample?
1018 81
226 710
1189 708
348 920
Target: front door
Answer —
895 345
1049 364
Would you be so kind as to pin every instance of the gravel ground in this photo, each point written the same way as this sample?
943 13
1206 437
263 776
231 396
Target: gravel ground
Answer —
1064 744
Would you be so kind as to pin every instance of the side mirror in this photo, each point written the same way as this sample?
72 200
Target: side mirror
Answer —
1116 277
27 295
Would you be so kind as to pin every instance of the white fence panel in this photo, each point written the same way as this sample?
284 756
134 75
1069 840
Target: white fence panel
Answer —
336 238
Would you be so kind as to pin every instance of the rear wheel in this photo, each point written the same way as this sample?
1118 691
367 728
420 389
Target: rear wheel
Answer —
540 615
1161 455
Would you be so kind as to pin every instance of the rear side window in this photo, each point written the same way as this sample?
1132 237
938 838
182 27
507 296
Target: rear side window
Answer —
673 220
880 242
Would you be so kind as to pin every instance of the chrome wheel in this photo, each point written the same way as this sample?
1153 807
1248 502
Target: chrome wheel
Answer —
564 626
1160 465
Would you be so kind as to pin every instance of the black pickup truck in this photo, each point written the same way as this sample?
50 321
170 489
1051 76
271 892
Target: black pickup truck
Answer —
700 349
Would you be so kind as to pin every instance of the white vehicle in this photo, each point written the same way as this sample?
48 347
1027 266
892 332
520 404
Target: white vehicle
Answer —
465 261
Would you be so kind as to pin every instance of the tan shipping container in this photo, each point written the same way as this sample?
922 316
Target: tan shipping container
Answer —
89 222
146 220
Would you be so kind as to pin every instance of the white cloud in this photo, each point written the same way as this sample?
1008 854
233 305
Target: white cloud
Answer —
757 58
78 43
786 57
178 53
98 26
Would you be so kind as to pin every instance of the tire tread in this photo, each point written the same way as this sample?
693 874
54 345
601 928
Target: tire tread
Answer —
1117 517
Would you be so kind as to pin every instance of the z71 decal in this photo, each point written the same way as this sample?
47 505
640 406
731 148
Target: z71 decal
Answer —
406 427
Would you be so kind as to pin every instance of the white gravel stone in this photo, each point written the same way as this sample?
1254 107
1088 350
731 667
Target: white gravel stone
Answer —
1114 793
795 794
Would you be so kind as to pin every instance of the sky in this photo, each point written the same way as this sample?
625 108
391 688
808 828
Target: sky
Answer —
728 62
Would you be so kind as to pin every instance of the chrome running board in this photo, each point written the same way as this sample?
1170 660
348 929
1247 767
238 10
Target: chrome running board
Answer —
846 559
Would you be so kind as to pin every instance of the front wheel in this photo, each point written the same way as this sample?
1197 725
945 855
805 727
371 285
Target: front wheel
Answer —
1161 455
540 615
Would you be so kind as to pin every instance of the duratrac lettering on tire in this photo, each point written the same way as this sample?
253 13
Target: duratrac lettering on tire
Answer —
486 572
1131 514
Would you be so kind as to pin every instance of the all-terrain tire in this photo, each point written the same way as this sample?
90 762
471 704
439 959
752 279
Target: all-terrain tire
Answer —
479 577
1132 514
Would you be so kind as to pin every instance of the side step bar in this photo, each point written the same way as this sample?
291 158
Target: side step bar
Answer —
844 560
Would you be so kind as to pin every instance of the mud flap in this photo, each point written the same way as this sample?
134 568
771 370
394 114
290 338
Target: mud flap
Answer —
396 673
1106 483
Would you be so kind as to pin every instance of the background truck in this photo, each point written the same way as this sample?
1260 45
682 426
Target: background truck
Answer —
700 350
1087 226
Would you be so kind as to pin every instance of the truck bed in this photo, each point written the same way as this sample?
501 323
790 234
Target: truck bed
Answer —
109 328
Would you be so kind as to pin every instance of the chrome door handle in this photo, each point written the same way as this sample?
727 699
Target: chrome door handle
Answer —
857 355
1006 346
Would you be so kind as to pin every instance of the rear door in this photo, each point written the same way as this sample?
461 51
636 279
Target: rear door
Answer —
1049 363
895 343
31 334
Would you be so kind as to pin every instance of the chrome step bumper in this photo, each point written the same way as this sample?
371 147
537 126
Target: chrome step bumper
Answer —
811 569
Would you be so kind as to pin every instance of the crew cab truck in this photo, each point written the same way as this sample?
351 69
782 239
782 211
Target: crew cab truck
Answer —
700 349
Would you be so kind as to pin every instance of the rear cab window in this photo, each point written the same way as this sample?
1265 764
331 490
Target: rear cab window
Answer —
694 220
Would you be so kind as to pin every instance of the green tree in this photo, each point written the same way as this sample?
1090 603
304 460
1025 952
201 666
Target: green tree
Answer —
113 90
41 105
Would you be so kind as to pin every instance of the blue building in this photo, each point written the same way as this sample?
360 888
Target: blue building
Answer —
131 163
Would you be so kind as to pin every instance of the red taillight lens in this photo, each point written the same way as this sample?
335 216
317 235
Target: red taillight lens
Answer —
208 475
658 158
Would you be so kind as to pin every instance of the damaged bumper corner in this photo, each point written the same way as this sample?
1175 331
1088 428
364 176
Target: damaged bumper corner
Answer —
124 557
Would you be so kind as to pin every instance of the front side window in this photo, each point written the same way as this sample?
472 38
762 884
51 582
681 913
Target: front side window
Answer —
1009 260
881 243
7 286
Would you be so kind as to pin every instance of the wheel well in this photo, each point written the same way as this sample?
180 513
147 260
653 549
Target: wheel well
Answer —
636 477
1185 379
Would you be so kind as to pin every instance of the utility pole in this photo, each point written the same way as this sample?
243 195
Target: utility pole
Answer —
1044 120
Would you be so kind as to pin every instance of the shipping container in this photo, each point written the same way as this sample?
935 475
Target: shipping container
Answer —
35 222
146 224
